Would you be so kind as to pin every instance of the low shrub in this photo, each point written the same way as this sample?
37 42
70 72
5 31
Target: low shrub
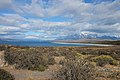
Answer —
26 58
115 75
4 75
104 59
41 68
76 70
51 61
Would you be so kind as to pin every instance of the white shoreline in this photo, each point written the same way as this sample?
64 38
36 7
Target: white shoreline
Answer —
82 44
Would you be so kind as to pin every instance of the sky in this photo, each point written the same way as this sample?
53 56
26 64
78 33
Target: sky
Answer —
54 19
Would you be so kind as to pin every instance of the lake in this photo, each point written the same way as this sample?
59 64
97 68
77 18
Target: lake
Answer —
37 44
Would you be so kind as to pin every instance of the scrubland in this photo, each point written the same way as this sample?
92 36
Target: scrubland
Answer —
60 63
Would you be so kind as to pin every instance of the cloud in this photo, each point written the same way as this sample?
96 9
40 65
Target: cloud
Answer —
100 17
9 28
5 3
32 37
38 23
14 24
11 19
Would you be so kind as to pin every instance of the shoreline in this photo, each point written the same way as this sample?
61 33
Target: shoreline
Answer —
90 44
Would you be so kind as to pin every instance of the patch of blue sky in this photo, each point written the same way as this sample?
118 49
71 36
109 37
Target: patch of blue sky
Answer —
97 1
6 11
57 19
30 16
23 22
47 3
88 1
33 33
22 2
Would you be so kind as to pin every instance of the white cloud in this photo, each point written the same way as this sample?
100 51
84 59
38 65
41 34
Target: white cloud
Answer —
101 18
40 23
31 37
11 19
5 3
9 28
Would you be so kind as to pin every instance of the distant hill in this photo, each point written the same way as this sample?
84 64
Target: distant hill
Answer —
115 42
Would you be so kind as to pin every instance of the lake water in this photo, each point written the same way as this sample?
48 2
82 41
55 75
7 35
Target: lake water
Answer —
25 43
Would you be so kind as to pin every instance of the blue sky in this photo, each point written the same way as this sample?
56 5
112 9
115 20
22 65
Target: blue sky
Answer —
54 19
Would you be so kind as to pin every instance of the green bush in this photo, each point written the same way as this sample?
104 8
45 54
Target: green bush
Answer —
41 68
4 75
104 59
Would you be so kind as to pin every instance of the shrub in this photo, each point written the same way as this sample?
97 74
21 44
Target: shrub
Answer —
41 68
4 75
104 59
114 62
115 75
26 58
76 70
51 61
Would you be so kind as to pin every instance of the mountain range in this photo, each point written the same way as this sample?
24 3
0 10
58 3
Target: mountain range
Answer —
88 36
69 37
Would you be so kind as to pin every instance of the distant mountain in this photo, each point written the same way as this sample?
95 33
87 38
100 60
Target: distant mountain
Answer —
88 36
69 37
109 37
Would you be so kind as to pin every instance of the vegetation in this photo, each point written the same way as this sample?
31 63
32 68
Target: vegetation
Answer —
28 58
104 59
51 61
76 70
40 68
115 75
117 42
76 63
4 75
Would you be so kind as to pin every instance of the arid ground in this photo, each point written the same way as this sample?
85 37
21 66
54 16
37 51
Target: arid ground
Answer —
60 63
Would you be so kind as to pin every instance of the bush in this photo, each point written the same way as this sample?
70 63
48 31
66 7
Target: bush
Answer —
104 59
51 61
115 75
26 58
76 70
4 75
41 68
